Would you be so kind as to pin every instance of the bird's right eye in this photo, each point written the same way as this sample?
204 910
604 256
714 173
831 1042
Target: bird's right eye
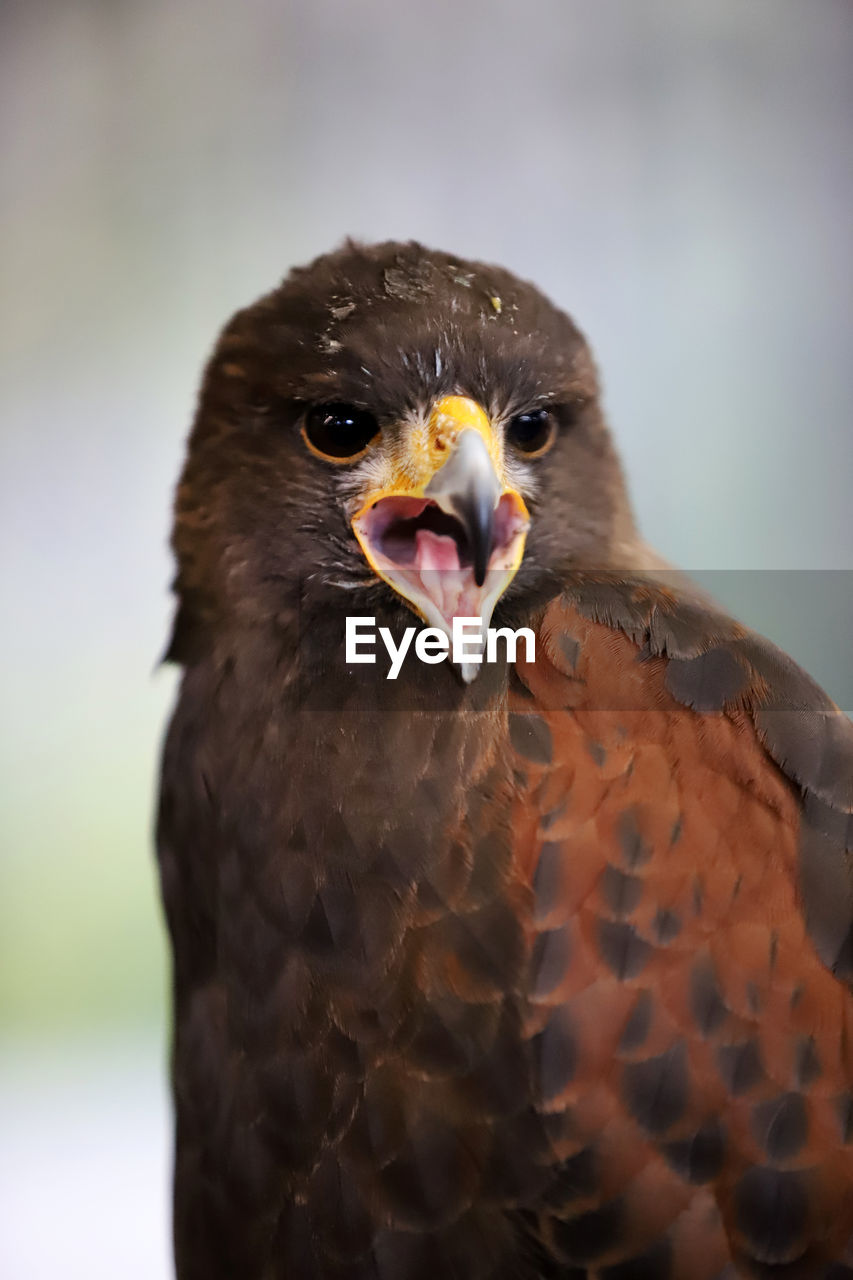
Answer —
338 432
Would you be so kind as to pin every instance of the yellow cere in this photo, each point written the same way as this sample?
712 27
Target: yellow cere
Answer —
429 444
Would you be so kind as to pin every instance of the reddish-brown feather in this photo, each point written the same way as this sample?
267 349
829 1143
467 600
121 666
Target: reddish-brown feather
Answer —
667 848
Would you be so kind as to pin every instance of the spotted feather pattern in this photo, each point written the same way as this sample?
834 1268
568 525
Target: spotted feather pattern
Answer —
687 836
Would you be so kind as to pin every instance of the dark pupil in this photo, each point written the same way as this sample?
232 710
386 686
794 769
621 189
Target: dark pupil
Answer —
530 431
340 430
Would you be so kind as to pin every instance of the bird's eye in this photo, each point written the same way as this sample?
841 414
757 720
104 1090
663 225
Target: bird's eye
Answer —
532 433
338 432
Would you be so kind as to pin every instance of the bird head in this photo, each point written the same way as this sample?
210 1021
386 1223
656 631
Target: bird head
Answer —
395 428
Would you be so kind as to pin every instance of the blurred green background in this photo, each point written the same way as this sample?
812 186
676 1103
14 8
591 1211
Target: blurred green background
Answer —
676 173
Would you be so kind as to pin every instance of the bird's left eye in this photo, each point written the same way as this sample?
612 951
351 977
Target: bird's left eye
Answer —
338 432
532 433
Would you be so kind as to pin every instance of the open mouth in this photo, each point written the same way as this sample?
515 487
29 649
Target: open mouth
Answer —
427 555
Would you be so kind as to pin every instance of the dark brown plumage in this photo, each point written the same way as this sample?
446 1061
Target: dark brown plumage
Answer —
542 975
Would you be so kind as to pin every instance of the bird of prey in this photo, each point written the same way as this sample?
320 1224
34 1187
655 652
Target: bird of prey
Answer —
530 967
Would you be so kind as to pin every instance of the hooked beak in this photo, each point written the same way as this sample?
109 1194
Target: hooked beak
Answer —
468 488
446 531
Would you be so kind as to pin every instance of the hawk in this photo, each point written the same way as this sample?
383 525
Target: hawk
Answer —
536 967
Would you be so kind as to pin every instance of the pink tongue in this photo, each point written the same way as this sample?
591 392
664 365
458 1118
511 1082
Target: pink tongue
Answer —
435 551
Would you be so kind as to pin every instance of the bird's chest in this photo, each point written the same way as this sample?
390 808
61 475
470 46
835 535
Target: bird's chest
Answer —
374 944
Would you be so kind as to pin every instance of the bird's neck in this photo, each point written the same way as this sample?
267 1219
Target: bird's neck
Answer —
340 757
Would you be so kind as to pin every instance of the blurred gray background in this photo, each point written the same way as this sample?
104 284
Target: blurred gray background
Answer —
676 173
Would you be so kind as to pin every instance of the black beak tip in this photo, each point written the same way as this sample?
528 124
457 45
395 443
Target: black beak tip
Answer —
480 536
478 516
